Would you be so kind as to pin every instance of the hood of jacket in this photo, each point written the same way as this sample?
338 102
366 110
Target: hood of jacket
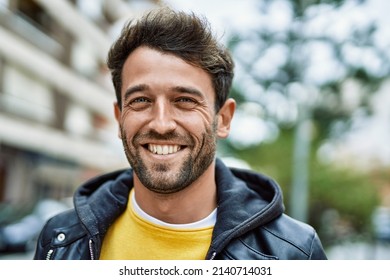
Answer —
245 200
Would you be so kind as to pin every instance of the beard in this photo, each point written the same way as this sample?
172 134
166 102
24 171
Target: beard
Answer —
160 177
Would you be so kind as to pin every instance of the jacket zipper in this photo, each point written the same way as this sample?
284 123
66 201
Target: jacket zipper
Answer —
51 251
49 254
213 256
91 249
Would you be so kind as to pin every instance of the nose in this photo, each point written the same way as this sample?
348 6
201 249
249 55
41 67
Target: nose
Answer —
162 118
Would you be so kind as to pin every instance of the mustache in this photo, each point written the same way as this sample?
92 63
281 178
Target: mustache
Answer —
169 136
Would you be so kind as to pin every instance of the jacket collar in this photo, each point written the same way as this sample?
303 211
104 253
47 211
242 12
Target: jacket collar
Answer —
101 200
245 200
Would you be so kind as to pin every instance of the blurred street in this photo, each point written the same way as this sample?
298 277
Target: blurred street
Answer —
360 251
17 256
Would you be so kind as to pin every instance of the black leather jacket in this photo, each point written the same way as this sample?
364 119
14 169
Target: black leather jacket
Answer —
250 220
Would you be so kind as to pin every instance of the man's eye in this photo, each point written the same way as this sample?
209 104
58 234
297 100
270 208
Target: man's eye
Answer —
186 102
139 103
140 100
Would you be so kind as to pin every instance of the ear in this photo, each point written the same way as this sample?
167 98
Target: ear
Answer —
117 113
225 116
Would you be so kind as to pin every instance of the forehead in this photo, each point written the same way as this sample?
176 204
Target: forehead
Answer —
160 70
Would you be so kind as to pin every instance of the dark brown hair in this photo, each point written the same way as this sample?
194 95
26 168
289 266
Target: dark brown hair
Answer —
186 36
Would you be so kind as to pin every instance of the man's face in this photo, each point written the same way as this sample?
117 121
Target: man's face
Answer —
167 123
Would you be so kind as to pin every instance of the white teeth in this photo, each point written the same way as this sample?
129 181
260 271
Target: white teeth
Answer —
163 149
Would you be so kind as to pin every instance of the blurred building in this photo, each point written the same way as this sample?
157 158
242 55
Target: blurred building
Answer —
57 126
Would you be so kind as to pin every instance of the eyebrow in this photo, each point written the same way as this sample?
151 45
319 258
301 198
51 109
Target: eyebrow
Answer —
134 89
190 90
181 89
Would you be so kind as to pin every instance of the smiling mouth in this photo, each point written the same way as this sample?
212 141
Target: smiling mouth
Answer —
163 149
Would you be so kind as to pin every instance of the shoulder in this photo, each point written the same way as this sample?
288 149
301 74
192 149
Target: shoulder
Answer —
62 229
293 232
66 223
283 238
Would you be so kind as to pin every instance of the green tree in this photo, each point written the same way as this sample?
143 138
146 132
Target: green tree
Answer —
294 66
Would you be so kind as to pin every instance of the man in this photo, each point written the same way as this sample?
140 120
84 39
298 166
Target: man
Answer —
178 201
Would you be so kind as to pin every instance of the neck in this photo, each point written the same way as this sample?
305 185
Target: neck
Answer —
191 204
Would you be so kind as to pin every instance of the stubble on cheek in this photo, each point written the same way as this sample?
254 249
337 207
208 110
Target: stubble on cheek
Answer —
163 178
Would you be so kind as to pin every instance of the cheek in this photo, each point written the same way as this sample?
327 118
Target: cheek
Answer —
201 116
129 126
198 124
134 120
